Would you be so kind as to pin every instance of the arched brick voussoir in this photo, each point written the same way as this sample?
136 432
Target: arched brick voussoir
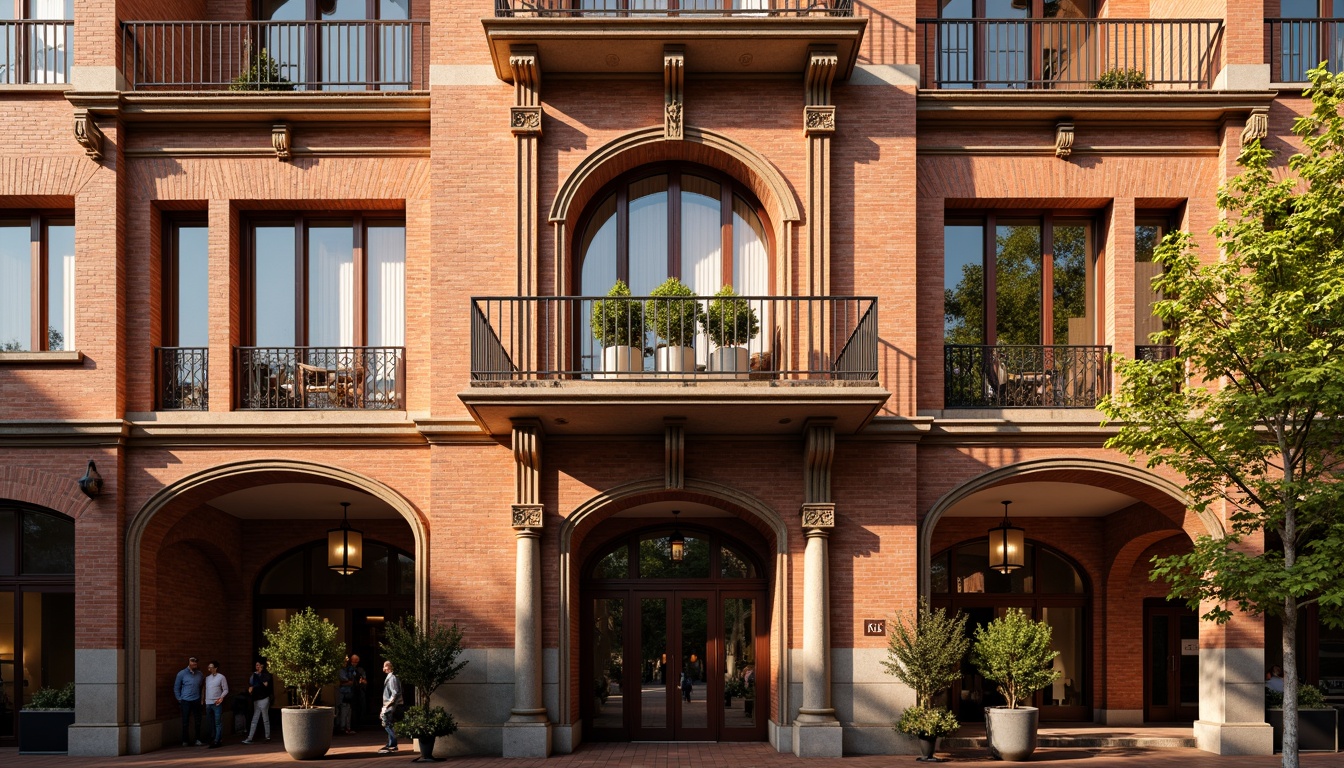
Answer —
58 493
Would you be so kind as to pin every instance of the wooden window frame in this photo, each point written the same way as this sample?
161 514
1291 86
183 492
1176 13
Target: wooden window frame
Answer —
170 271
39 222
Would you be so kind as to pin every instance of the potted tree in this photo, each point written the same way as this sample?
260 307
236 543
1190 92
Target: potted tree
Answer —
731 323
926 655
674 315
304 653
1317 721
618 325
44 722
424 654
1014 652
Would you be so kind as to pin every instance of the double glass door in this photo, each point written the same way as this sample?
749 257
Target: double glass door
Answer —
1171 662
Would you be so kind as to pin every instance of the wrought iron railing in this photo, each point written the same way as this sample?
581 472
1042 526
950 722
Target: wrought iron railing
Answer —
1024 376
1154 352
276 55
660 338
320 378
182 378
1069 54
1293 46
36 52
674 8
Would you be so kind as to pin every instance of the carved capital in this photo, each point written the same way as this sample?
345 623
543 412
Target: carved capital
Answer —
281 140
88 135
818 515
525 120
527 515
674 74
818 120
1257 126
1063 139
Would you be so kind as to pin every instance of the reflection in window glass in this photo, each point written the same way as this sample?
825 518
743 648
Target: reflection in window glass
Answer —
938 574
16 287
273 289
1057 576
1146 323
608 662
60 286
653 662
616 565
193 286
739 659
694 663
655 559
48 543
648 234
973 575
1017 295
1066 638
285 577
48 641
963 284
369 580
8 550
1072 324
405 575
734 565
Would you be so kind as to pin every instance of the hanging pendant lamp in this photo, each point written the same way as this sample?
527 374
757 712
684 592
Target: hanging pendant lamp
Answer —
345 545
677 541
1007 545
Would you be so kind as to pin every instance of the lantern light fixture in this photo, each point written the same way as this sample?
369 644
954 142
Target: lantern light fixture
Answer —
677 541
1007 545
345 545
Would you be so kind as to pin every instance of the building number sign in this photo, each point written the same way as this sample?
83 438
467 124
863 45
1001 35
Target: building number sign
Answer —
874 627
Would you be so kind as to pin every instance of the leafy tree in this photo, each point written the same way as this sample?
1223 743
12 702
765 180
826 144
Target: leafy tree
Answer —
1014 651
926 654
303 652
1259 425
424 654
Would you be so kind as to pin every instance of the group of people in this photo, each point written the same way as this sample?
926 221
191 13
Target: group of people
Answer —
196 692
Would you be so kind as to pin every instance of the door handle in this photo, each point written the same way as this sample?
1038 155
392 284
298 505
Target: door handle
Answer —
1171 663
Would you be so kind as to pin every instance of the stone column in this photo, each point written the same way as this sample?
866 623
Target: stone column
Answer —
528 730
817 732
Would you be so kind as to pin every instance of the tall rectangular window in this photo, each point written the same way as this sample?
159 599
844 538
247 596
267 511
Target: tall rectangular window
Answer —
1148 233
187 284
37 283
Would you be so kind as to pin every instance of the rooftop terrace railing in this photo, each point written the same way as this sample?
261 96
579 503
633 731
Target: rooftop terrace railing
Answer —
36 52
674 8
1069 54
276 55
1293 46
1025 376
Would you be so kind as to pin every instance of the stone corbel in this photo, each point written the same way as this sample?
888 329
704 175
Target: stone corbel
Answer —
1063 139
818 112
818 516
1257 125
674 448
525 115
88 135
526 516
282 140
527 462
819 452
674 81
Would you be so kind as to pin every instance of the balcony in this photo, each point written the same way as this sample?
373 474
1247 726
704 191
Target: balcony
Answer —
1293 46
36 52
1025 376
320 378
182 378
1073 54
749 37
759 364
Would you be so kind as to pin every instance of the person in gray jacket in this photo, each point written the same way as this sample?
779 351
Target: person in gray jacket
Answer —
391 700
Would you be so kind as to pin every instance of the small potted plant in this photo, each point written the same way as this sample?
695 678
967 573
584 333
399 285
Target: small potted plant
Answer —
926 655
674 315
1014 652
260 73
618 325
305 655
1122 79
44 722
424 654
1317 721
731 323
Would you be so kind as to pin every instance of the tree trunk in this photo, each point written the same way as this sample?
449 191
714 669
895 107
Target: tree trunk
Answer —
1290 682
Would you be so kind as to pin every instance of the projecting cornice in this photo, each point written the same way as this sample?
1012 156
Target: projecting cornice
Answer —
1128 108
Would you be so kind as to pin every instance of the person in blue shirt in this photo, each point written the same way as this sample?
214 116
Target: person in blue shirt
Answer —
189 690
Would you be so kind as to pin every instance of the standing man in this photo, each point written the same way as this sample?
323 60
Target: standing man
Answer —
360 685
216 691
391 700
259 685
345 697
188 690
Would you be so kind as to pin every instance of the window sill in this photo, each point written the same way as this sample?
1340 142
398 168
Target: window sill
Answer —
41 358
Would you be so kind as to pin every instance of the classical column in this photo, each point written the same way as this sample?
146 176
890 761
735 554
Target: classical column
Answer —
817 731
528 731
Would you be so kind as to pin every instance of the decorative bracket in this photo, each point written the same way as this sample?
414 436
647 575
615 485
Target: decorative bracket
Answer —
816 515
527 516
674 447
818 455
88 135
525 116
527 462
1257 125
818 112
674 80
1063 139
282 140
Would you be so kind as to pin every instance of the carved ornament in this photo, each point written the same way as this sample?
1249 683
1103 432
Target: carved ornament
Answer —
818 120
527 515
88 135
282 140
818 515
1063 139
674 73
525 120
1257 126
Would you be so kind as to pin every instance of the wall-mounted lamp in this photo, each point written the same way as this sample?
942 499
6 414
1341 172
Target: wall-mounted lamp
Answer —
91 484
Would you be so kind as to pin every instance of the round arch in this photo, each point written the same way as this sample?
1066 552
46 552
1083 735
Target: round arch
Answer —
52 492
197 482
1146 486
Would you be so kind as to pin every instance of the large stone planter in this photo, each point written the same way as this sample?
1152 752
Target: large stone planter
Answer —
307 732
1011 732
730 363
1317 729
676 360
45 731
620 362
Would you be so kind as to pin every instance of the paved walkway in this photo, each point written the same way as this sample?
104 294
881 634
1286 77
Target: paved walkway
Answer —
359 752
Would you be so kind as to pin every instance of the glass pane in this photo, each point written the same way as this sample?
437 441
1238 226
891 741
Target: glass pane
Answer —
694 643
48 543
285 577
1066 637
734 565
192 286
963 284
1072 321
343 58
597 251
1007 9
739 662
386 285
648 234
938 574
9 668
60 286
973 575
8 550
976 692
273 286
956 9
608 662
406 575
616 565
16 287
394 46
653 663
369 580
1017 290
1067 9
1298 9
48 641
1189 691
751 262
701 236
1057 575
1159 640
655 559
331 285
1146 239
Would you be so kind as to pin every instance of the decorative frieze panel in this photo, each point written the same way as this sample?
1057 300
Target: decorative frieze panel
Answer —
674 80
818 515
818 120
282 141
88 135
525 120
527 515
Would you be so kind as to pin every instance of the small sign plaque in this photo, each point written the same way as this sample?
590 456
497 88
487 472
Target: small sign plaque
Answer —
1189 647
874 627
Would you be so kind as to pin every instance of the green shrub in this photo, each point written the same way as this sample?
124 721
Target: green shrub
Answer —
674 316
262 73
735 687
303 652
424 722
1122 79
53 698
1014 652
926 654
1308 697
730 320
618 321
928 722
423 654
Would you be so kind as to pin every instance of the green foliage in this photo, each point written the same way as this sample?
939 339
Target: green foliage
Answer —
261 73
734 687
304 652
674 317
423 654
618 321
926 654
928 722
1014 652
1120 78
730 319
423 722
53 698
1308 697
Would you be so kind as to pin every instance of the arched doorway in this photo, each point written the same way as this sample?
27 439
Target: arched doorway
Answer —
674 650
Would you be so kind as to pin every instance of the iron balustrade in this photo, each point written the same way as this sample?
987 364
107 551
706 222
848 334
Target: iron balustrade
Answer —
1293 46
819 338
34 52
320 378
1024 376
600 8
276 55
182 378
1068 54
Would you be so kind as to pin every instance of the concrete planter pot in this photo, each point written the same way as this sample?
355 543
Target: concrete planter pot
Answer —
1317 729
307 732
730 363
1011 733
45 731
620 362
675 360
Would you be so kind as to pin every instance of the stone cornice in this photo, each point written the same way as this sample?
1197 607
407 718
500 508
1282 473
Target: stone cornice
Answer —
1123 107
46 434
265 107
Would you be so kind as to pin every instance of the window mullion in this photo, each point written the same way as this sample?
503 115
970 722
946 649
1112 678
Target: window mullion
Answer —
726 254
623 234
674 224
